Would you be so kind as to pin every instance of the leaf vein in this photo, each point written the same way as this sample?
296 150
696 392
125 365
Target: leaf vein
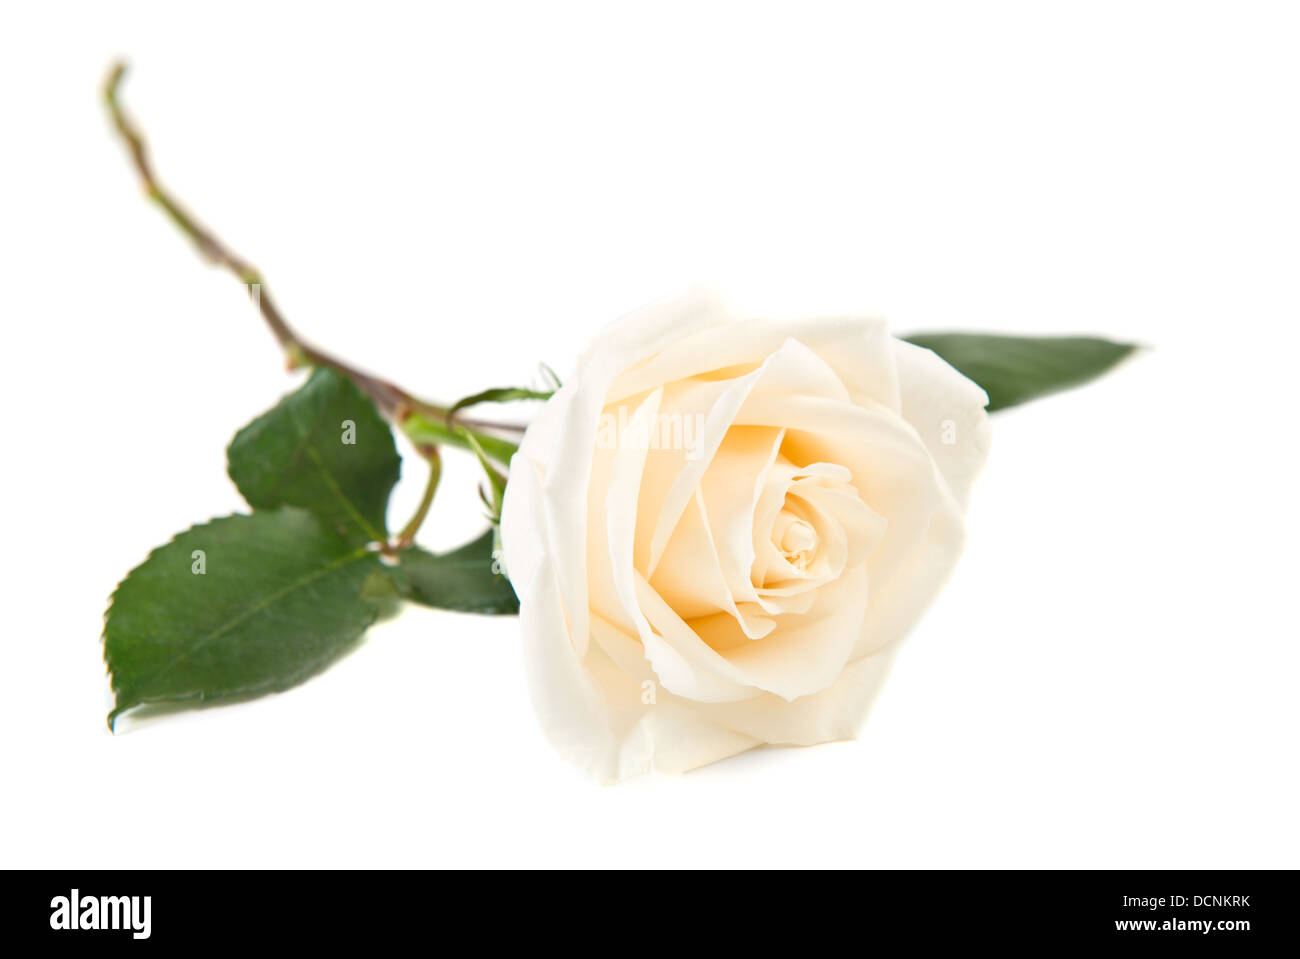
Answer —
253 610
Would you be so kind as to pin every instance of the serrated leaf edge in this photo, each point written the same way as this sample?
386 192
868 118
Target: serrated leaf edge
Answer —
118 708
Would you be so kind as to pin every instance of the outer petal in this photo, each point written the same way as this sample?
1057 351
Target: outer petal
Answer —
947 411
523 524
856 348
571 705
835 713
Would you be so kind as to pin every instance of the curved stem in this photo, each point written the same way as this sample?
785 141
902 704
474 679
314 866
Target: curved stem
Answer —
407 536
394 402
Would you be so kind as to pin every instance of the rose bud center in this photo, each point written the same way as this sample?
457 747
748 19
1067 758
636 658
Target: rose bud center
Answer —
797 541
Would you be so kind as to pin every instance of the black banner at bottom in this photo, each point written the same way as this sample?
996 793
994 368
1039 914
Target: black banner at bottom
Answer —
1230 911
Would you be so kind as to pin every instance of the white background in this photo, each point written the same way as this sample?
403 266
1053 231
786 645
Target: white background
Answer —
450 194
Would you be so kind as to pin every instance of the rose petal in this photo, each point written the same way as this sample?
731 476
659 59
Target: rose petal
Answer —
691 579
564 450
857 349
947 411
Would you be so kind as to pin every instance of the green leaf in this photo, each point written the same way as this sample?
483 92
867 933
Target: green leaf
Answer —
238 607
496 479
1016 369
463 579
324 448
508 394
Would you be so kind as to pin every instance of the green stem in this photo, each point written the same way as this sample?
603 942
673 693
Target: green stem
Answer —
434 431
407 536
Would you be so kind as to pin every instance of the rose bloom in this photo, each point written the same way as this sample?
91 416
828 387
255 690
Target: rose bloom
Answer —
721 528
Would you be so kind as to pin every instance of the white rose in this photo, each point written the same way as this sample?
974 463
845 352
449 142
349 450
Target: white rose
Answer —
721 528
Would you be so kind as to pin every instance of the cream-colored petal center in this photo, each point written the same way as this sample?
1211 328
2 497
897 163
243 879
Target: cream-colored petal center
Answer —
797 541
